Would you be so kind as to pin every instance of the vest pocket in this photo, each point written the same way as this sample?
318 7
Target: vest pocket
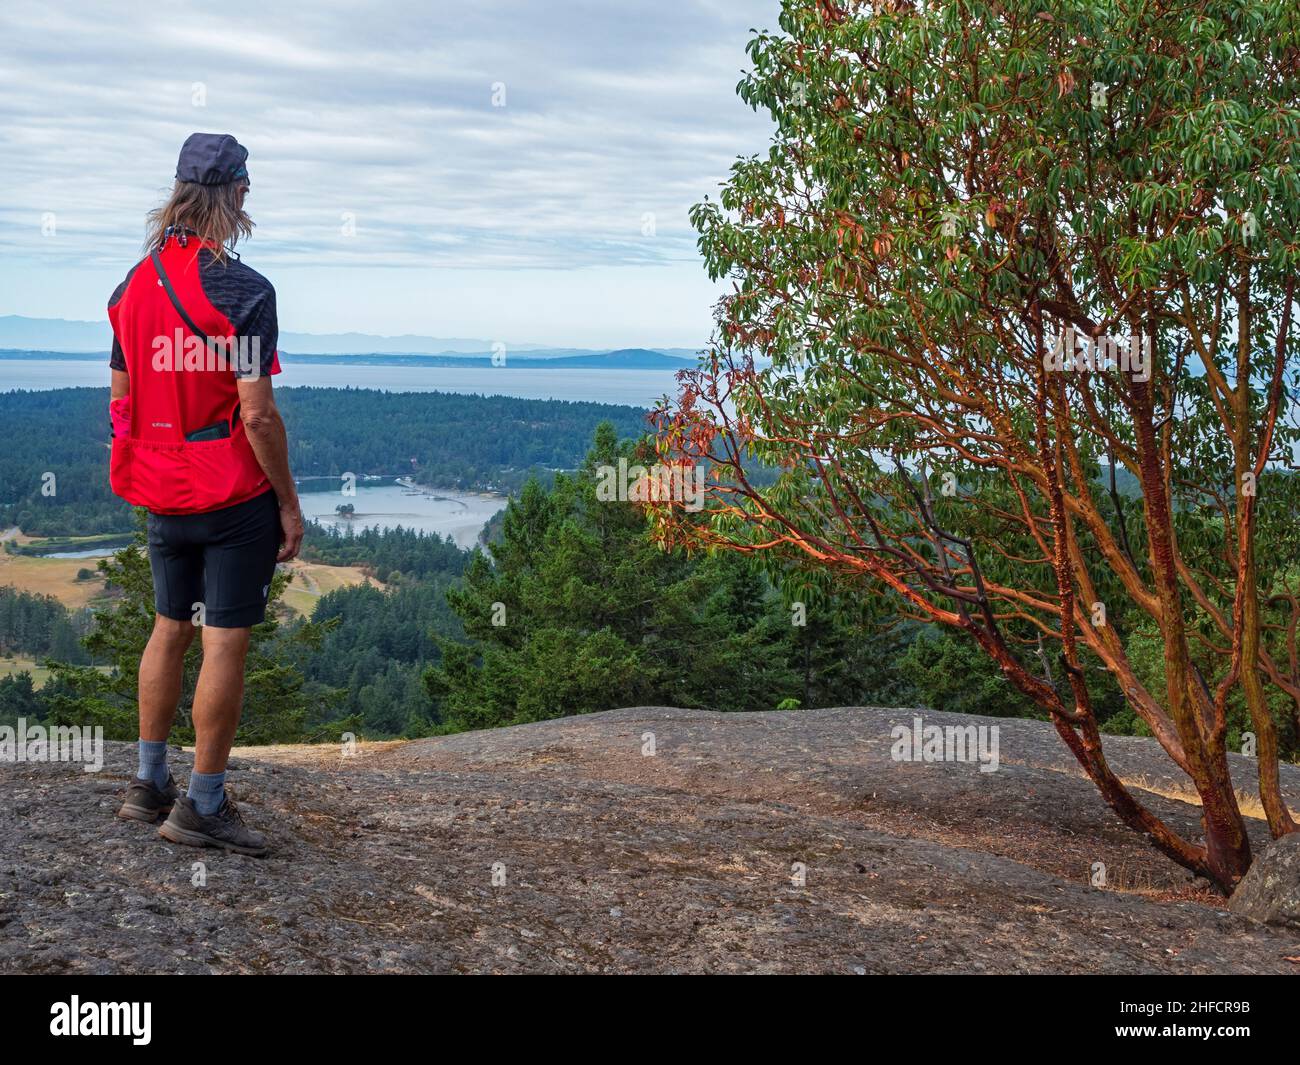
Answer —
222 472
184 478
151 474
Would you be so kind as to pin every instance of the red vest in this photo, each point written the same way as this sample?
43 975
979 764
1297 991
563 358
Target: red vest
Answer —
177 386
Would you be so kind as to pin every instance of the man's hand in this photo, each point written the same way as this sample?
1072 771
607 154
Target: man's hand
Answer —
291 527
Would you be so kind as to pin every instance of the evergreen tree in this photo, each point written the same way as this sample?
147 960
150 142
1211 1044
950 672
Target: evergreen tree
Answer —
19 698
578 610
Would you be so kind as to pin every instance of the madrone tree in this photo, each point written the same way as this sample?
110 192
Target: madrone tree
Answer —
1011 306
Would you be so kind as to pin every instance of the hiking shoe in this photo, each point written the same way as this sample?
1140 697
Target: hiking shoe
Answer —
224 829
145 801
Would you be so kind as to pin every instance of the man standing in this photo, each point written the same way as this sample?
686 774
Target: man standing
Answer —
198 441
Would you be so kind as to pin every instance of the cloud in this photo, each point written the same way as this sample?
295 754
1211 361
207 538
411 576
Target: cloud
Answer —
616 118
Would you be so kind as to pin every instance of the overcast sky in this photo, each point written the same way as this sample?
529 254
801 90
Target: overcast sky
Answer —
558 218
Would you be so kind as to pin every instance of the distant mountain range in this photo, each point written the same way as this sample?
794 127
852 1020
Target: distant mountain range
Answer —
53 334
622 359
47 335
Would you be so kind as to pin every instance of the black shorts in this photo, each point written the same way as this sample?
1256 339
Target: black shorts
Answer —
216 568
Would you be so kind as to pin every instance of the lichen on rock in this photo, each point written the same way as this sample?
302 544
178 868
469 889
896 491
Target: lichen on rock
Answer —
1270 892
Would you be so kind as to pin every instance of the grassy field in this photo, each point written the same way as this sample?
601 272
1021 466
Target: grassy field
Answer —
16 665
52 576
311 580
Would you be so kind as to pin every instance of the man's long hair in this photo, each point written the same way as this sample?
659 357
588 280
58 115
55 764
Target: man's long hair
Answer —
211 212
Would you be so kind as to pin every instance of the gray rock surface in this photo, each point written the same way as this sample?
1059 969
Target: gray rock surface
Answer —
771 842
1270 892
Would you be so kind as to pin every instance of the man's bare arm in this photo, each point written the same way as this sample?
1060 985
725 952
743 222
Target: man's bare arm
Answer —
265 429
121 384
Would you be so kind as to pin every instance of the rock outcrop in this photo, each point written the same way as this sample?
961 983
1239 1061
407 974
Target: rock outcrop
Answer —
647 839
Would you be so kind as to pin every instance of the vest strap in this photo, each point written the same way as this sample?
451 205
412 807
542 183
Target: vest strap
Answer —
156 259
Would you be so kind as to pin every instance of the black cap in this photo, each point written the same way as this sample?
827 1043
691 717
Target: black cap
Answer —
212 159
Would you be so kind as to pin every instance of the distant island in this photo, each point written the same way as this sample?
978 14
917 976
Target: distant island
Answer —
622 359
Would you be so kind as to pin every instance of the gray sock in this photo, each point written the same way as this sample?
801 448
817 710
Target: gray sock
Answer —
206 791
153 762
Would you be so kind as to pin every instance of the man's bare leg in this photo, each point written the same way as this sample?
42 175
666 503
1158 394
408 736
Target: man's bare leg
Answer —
202 817
219 696
152 793
161 670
